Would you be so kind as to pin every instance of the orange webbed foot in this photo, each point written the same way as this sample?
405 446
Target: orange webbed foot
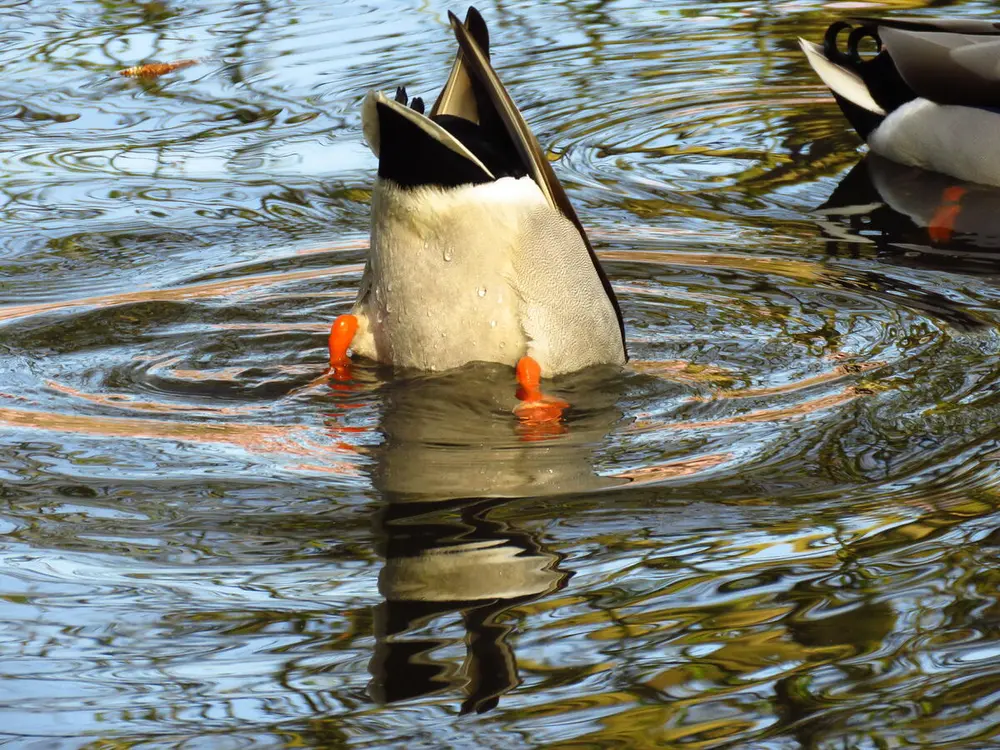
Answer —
942 224
341 335
535 408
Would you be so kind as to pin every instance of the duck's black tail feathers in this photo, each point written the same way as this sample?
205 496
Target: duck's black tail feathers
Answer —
866 89
462 140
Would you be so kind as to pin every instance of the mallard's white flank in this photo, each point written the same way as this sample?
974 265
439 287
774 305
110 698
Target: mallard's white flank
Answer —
489 272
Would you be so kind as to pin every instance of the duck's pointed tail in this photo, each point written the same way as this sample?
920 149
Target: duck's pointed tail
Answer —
848 87
413 149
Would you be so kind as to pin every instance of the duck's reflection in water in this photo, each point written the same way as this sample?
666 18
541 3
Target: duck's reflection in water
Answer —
468 568
452 453
914 217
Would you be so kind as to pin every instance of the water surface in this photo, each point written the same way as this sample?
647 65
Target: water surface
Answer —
778 528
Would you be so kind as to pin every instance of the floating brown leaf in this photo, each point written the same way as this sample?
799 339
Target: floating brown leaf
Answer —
155 70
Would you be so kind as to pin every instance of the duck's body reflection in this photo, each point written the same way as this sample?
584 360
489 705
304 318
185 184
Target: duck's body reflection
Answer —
451 454
453 563
915 216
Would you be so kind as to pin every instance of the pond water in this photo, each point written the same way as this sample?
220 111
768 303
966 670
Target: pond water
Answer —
779 527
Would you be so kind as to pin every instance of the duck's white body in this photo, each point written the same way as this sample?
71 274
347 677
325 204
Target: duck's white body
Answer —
476 253
963 142
487 272
929 99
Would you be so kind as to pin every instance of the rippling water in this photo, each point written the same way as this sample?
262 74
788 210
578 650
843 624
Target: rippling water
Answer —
779 527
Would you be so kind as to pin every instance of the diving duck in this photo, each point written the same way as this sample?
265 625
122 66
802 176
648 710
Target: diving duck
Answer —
476 252
930 98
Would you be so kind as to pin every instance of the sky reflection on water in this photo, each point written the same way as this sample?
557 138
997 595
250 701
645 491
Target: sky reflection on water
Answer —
776 529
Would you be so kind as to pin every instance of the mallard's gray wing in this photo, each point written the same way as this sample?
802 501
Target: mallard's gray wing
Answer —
931 25
949 61
476 65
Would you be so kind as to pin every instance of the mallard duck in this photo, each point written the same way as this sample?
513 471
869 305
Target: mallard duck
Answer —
476 252
929 98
